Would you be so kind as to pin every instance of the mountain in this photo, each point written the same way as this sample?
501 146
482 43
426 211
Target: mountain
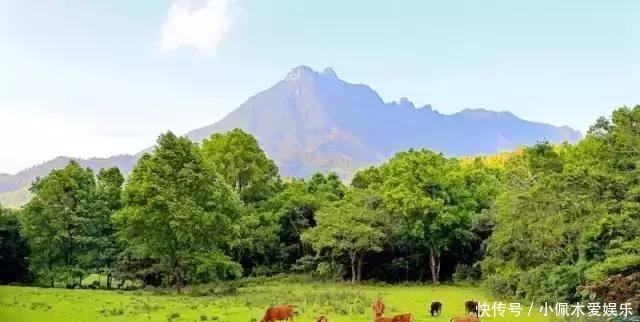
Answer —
14 189
313 121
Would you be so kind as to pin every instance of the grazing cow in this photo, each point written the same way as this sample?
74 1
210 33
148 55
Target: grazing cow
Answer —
406 317
436 308
278 313
383 319
468 318
322 318
471 307
378 307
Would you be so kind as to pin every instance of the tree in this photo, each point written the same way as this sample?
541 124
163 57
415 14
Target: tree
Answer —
238 158
13 249
178 211
295 208
367 178
353 226
568 215
108 200
429 192
57 223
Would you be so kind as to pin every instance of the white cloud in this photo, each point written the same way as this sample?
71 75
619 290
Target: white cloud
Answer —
202 27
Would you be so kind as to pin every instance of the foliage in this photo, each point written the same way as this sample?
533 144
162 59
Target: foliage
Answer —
237 157
177 211
13 249
433 196
58 222
353 226
568 215
105 248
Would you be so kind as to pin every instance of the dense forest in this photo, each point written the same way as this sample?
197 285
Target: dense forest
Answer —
546 222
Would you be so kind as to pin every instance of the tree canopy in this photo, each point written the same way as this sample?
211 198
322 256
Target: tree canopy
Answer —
179 212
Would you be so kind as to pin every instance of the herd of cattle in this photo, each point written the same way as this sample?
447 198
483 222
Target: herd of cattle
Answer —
286 312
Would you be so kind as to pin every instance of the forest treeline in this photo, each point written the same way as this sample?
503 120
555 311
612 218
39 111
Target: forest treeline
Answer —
546 222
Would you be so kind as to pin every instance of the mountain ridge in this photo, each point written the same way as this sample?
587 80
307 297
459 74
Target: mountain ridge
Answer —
314 121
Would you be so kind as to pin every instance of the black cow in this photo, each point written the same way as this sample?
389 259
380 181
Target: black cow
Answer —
436 308
471 307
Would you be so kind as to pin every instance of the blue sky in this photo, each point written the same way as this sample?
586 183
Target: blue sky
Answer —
97 78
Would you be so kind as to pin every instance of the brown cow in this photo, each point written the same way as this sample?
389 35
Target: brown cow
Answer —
383 319
322 318
467 318
471 307
406 317
278 313
378 307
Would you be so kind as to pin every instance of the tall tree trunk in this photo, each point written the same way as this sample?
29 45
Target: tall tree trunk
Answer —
352 256
407 270
359 277
300 243
50 265
438 269
434 264
179 279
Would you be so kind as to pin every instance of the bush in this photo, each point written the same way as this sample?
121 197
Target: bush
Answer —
328 271
551 284
465 273
213 267
621 264
264 271
503 283
305 264
545 283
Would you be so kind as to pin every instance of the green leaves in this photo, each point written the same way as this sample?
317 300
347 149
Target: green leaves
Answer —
58 223
14 250
176 207
434 198
237 157
570 206
351 226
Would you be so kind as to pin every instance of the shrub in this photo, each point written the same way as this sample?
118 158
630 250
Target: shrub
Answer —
465 273
503 283
328 271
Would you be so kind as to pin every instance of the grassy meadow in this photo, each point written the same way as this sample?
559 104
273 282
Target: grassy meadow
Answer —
341 302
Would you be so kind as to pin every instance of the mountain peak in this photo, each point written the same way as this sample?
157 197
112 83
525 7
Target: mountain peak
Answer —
405 102
329 72
301 72
304 73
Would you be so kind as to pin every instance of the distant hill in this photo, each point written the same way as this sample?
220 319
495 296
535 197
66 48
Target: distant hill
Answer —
313 121
14 189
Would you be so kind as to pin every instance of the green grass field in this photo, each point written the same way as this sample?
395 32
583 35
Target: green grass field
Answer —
340 302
